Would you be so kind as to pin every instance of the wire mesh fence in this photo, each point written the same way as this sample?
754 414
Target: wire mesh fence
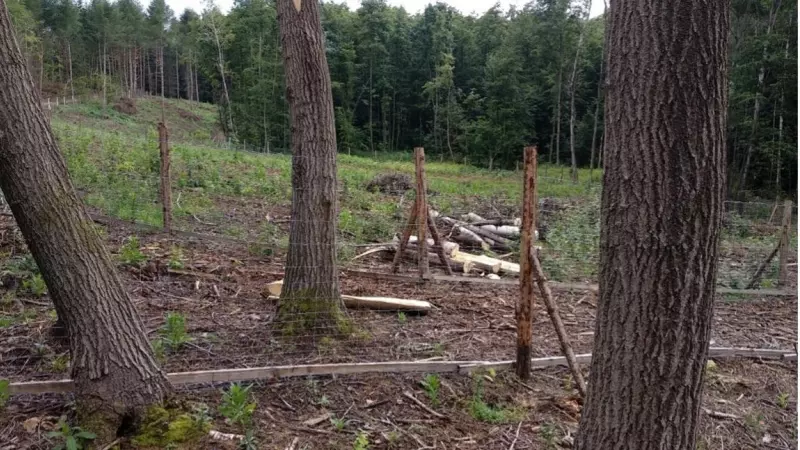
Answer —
203 290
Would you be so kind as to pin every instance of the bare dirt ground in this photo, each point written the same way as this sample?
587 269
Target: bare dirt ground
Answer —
749 403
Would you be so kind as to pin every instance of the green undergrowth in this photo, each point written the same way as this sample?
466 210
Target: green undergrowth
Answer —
113 160
170 427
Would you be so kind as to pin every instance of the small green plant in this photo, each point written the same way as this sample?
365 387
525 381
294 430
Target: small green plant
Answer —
484 412
60 363
323 401
392 438
35 285
175 258
248 442
548 434
783 400
431 383
130 253
401 317
361 442
339 423
5 393
236 405
754 422
173 333
201 416
158 350
71 438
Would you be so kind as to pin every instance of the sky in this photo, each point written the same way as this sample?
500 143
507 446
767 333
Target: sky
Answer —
412 6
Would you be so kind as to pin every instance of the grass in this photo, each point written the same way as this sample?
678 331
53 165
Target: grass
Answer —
113 160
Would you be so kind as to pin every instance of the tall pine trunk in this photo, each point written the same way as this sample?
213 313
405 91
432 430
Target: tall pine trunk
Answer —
662 202
310 300
114 371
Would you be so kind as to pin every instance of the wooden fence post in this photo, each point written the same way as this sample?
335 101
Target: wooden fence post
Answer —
166 191
525 308
422 212
784 252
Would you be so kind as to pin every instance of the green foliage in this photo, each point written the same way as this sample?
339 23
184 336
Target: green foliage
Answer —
164 427
130 253
361 442
431 384
35 286
783 400
70 438
249 441
60 363
401 317
484 412
175 258
549 434
5 393
237 406
339 423
173 334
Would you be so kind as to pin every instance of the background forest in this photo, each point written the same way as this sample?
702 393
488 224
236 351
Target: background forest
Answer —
474 89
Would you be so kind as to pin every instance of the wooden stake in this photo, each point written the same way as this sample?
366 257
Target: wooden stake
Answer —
784 252
166 191
555 317
438 245
412 220
422 212
525 308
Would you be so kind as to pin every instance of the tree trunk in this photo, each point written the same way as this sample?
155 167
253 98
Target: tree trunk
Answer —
371 145
115 374
661 210
71 81
310 299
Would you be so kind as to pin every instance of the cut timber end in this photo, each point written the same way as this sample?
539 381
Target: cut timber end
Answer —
297 5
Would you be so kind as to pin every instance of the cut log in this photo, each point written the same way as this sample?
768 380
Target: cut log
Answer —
450 248
467 237
507 231
411 254
386 303
472 218
376 303
500 242
482 261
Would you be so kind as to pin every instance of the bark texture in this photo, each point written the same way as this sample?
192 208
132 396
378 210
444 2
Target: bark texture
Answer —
666 113
310 299
115 374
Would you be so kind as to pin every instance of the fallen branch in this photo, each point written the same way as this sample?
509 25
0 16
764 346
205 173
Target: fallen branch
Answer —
555 317
720 415
763 266
224 436
410 396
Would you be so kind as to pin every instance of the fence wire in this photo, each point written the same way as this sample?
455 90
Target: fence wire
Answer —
237 204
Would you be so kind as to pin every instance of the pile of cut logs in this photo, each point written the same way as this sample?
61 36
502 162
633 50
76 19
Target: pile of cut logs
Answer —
470 232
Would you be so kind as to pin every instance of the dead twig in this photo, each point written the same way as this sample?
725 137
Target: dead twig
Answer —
112 444
720 415
516 436
411 397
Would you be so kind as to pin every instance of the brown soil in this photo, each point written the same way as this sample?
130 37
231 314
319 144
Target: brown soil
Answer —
126 105
219 290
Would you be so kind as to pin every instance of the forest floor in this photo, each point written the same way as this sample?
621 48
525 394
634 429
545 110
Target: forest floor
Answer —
216 283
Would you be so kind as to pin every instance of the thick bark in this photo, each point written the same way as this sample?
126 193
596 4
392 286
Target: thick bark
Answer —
310 300
114 371
661 210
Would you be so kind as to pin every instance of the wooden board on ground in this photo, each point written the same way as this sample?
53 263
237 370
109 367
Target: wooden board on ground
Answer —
275 372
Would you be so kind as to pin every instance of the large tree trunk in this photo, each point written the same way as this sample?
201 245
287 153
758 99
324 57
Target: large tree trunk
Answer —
661 207
310 300
114 371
